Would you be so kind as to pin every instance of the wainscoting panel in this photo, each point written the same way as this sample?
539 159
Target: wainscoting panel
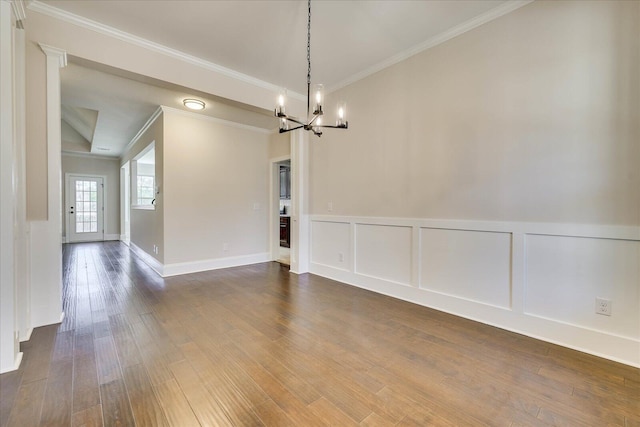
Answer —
565 275
384 252
536 279
474 265
332 244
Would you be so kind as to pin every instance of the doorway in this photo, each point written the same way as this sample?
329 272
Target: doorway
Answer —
84 208
281 207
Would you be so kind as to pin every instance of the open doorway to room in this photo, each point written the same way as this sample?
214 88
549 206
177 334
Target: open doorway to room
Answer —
281 210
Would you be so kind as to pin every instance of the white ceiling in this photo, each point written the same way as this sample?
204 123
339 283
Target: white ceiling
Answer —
266 39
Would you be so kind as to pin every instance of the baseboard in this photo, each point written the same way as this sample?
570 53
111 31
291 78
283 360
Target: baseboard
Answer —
18 361
214 264
147 259
26 336
620 349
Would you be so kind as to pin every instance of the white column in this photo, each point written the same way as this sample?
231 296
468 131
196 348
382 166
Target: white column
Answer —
300 232
9 346
46 236
21 252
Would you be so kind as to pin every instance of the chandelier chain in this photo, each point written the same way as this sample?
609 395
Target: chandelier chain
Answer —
309 45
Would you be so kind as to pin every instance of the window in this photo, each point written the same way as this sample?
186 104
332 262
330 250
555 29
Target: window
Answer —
145 190
143 179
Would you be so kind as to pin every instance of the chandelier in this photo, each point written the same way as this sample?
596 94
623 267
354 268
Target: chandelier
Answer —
314 118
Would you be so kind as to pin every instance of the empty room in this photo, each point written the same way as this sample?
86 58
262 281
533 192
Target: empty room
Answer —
320 213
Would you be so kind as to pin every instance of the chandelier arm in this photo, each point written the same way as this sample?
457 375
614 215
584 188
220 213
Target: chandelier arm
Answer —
289 130
291 119
345 126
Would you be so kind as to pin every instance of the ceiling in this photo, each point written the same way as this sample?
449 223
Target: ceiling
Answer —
103 109
265 39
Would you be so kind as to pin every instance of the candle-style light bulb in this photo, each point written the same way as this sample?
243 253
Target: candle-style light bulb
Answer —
342 114
280 110
318 90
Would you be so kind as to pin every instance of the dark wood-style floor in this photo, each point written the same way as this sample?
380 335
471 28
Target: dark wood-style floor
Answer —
255 346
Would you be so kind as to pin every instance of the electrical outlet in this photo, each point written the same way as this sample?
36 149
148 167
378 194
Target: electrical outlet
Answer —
330 206
603 306
341 257
256 206
225 246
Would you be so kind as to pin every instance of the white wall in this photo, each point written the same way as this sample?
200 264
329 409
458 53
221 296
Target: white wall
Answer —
496 177
108 167
216 177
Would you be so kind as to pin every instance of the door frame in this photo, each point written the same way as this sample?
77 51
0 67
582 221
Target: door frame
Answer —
125 203
67 217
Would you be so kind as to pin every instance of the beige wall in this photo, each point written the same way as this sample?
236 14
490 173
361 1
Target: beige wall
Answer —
108 167
279 145
147 226
531 117
214 175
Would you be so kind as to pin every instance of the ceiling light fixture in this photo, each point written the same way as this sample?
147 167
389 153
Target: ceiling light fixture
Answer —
314 120
193 104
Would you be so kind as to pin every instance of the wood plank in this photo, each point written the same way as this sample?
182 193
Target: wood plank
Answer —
90 417
175 405
144 403
56 408
116 409
28 404
204 406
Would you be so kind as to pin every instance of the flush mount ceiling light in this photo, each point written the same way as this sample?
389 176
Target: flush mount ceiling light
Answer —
314 119
193 104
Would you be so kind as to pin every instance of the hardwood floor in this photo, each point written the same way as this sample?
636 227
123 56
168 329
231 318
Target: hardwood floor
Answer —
253 346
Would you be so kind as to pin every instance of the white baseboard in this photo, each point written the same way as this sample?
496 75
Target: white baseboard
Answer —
26 336
147 259
214 264
168 270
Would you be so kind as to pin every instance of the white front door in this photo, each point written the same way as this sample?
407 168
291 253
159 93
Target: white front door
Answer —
85 208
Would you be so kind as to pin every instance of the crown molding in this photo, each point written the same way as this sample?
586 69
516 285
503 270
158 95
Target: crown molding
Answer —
215 120
19 10
55 52
88 155
89 24
143 129
469 25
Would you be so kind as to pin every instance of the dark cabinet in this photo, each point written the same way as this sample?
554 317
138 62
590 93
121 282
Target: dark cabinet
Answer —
285 235
285 182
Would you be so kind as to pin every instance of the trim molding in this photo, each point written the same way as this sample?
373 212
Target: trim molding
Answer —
469 25
214 264
80 21
215 120
88 155
168 270
19 11
142 130
26 336
619 232
147 259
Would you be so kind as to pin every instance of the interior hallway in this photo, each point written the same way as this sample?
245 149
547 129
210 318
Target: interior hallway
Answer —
254 345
